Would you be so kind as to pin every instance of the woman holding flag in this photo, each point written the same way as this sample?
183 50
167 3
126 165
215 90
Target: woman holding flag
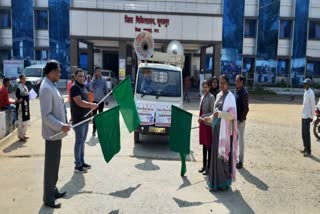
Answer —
224 147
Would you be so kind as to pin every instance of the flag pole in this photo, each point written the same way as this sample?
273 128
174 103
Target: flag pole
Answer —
105 97
78 124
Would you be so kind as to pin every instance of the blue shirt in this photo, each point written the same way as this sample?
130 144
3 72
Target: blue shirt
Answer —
99 88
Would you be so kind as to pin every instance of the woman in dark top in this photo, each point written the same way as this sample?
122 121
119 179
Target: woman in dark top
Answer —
214 89
23 110
205 132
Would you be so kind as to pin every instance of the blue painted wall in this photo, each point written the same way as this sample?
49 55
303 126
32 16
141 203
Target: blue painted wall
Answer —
298 62
22 29
267 43
232 39
59 31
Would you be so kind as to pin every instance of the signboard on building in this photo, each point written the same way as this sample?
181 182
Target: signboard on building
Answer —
12 68
122 69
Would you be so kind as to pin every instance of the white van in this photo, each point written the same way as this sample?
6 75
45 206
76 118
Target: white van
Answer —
34 75
157 88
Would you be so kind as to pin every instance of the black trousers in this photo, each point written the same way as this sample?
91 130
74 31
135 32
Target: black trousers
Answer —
306 134
100 108
51 170
206 153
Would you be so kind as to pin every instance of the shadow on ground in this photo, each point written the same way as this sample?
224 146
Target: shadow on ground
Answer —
15 146
156 148
126 193
253 179
233 201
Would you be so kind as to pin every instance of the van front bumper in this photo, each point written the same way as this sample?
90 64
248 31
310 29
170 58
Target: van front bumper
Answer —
153 130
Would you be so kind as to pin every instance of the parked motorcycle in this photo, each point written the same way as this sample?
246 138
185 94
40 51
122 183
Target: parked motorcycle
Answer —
316 123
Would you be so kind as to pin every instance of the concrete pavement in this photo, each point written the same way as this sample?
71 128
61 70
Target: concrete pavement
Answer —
144 178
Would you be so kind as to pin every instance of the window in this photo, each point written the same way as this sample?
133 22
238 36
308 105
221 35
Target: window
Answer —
250 28
248 65
285 29
283 67
313 69
159 82
41 19
314 30
41 55
5 19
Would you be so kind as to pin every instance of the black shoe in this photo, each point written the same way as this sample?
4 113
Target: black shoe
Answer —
306 154
55 205
86 166
239 165
202 170
80 170
223 188
303 151
60 194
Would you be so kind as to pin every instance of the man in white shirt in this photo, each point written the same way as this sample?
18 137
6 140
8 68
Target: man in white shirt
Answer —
307 116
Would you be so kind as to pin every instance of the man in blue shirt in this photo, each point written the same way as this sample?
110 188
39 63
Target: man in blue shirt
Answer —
99 88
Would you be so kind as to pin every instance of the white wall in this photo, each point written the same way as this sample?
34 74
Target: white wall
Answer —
98 59
6 37
41 38
5 3
249 46
287 8
251 8
112 24
190 6
314 9
284 47
313 48
40 3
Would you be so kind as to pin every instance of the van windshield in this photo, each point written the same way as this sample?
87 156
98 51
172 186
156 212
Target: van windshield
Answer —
159 82
32 72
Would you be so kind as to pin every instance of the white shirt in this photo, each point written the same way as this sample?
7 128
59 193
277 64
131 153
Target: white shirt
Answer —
308 104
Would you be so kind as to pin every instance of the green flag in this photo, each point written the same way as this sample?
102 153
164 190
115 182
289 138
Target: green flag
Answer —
124 97
108 128
179 139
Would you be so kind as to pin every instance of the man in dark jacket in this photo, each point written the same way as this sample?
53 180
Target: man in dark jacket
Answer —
242 100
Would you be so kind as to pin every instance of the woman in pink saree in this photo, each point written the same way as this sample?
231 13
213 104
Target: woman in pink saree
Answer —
224 148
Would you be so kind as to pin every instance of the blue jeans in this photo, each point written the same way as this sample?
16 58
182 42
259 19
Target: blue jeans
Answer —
13 116
81 136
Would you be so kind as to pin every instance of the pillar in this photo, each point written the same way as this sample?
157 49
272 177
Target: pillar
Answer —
217 60
74 54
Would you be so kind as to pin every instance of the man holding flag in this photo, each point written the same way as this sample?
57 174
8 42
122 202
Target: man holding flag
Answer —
79 108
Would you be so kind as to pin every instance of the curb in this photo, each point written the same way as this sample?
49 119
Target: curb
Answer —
9 138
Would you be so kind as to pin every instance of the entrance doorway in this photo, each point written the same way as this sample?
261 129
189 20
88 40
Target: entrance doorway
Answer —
187 66
110 61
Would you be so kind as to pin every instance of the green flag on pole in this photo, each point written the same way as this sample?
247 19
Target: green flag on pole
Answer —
108 128
124 97
179 139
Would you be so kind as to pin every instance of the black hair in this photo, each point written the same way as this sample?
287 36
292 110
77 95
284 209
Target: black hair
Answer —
78 71
241 77
97 67
21 76
225 78
205 82
5 80
212 79
51 66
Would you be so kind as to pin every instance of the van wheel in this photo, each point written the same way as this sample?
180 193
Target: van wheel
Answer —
136 137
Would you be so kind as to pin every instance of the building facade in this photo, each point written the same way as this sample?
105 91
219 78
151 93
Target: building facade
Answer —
274 43
35 30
